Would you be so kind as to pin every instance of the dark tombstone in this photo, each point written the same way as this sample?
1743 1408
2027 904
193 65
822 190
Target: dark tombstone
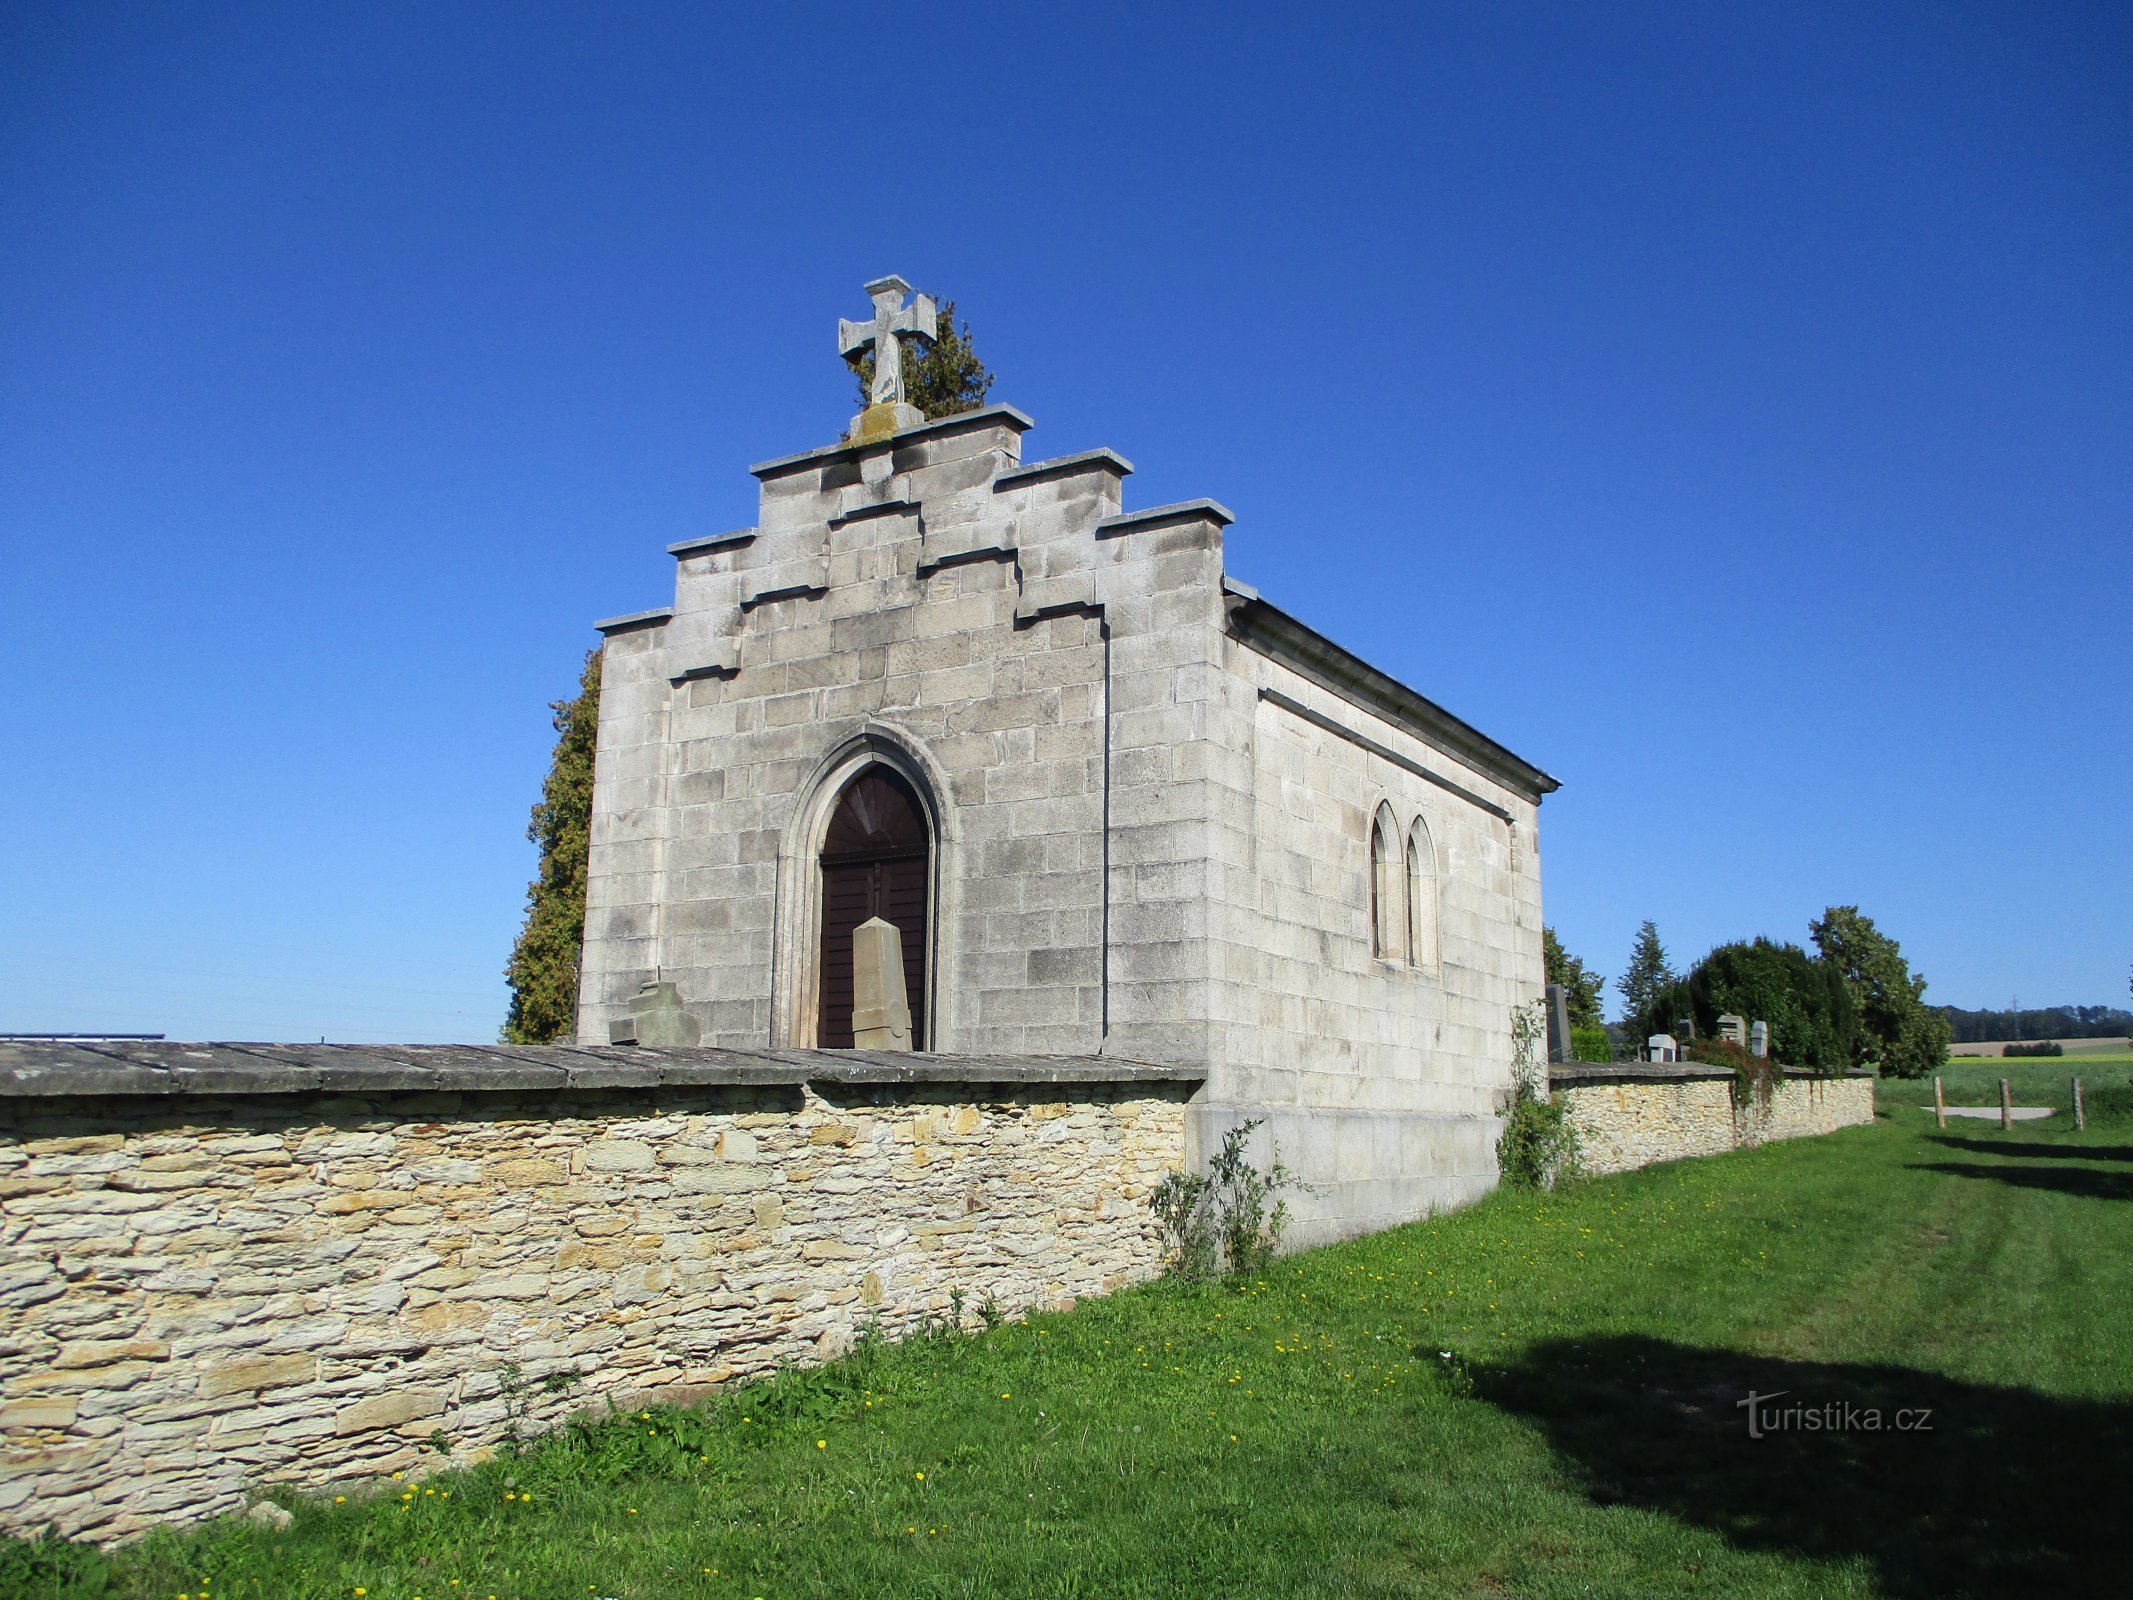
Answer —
1558 1026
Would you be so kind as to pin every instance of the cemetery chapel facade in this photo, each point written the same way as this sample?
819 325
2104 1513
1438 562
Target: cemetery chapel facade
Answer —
1113 802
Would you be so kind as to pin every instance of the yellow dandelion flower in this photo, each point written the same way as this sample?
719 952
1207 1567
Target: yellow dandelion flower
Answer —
822 1444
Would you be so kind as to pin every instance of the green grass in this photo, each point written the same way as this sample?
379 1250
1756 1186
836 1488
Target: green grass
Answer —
1304 1435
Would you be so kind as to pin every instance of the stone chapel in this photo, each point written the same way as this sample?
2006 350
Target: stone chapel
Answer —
1111 800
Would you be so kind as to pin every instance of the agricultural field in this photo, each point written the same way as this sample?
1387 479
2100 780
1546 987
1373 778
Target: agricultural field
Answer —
2033 1080
1538 1396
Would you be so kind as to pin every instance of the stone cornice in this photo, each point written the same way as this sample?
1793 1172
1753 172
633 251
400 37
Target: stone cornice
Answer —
1272 632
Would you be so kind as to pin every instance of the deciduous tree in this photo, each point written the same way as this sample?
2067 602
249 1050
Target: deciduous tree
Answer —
1582 987
1898 1031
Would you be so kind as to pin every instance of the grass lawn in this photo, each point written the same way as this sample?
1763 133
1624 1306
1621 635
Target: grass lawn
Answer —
1307 1435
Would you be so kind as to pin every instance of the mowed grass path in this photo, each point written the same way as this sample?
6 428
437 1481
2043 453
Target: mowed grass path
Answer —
1305 1436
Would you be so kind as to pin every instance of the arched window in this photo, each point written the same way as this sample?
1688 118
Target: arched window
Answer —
1421 897
875 859
1387 911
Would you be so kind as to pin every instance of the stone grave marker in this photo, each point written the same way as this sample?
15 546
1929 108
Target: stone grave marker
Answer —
1558 1026
656 1017
881 1011
1661 1047
1759 1038
1733 1029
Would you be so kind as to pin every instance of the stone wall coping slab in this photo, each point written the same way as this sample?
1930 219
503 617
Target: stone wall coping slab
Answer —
710 543
1202 510
984 416
636 619
1577 1072
45 1070
1080 461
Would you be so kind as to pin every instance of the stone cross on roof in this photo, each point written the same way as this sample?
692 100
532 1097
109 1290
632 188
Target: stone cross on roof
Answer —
893 323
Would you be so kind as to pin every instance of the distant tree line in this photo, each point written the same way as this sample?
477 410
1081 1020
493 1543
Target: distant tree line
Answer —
1853 1002
2044 1022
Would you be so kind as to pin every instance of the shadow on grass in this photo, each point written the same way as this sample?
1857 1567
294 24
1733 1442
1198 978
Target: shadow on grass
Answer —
1995 1491
2057 1152
2085 1181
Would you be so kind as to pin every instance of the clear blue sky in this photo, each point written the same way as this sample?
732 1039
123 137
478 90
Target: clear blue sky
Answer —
1730 408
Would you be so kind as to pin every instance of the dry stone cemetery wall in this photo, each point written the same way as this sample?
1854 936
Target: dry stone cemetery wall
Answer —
1633 1116
202 1292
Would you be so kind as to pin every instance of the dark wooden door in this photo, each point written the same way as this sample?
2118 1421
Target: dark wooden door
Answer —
875 861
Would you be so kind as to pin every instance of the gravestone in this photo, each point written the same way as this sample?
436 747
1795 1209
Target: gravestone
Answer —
1661 1047
1759 1039
656 1017
1558 1026
1733 1029
881 1011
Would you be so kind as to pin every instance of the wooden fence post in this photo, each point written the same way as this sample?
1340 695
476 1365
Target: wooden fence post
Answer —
1940 1103
2006 1105
2080 1121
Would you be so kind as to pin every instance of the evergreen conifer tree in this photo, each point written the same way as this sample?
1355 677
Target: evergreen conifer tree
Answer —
543 972
1644 987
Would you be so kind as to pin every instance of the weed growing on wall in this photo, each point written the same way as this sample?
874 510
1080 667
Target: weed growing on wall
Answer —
1757 1076
1538 1147
1226 1219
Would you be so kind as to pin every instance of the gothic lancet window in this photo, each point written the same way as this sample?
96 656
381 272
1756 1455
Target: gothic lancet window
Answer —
1387 911
1421 898
875 858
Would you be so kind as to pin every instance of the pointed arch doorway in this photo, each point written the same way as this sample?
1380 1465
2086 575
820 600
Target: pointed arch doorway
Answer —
876 861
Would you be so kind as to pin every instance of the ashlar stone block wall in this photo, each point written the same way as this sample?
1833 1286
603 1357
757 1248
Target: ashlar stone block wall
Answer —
1634 1116
1380 1073
203 1293
1150 794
